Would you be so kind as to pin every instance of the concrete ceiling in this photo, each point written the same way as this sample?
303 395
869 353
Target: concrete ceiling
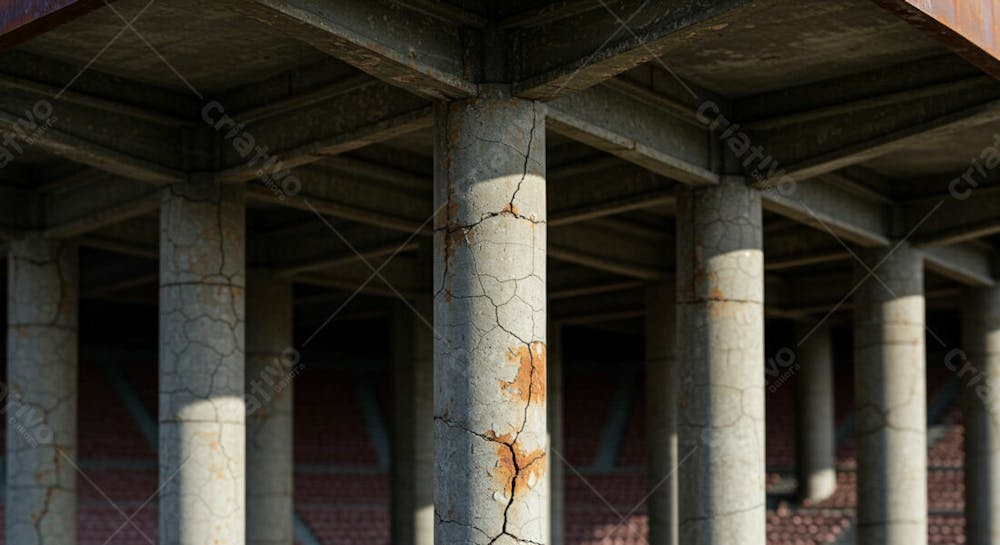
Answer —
798 42
210 46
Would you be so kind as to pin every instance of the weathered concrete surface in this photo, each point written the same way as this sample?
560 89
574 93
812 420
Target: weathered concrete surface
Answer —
490 321
413 426
815 433
661 411
720 337
557 470
202 410
41 392
981 413
890 399
271 364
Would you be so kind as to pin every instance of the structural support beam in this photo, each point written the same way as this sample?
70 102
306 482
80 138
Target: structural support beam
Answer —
828 135
979 372
403 47
720 335
969 264
831 209
890 397
41 392
89 135
271 365
202 409
661 411
637 132
490 440
265 148
91 206
814 418
556 58
967 213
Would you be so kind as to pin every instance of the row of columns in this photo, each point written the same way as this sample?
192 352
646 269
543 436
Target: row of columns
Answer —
485 353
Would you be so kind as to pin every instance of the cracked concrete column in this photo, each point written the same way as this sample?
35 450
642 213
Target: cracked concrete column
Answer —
556 473
661 411
980 376
490 433
41 392
202 410
271 364
413 425
720 338
814 417
890 400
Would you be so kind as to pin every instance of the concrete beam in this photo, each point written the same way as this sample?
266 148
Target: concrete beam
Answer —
832 125
968 264
368 112
967 27
607 39
622 125
948 219
607 192
403 47
352 200
321 249
89 135
88 207
830 208
593 247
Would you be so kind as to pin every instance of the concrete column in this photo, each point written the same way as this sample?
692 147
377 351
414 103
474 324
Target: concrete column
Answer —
980 376
202 410
814 415
413 425
489 315
41 392
661 411
271 364
720 336
557 469
890 398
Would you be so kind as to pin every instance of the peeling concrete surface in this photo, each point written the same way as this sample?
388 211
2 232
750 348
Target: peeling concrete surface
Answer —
202 413
890 397
720 334
41 396
490 323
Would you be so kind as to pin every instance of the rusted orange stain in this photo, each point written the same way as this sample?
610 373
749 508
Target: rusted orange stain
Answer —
517 470
527 386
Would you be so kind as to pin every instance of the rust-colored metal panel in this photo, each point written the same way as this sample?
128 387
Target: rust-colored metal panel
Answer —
969 27
21 20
